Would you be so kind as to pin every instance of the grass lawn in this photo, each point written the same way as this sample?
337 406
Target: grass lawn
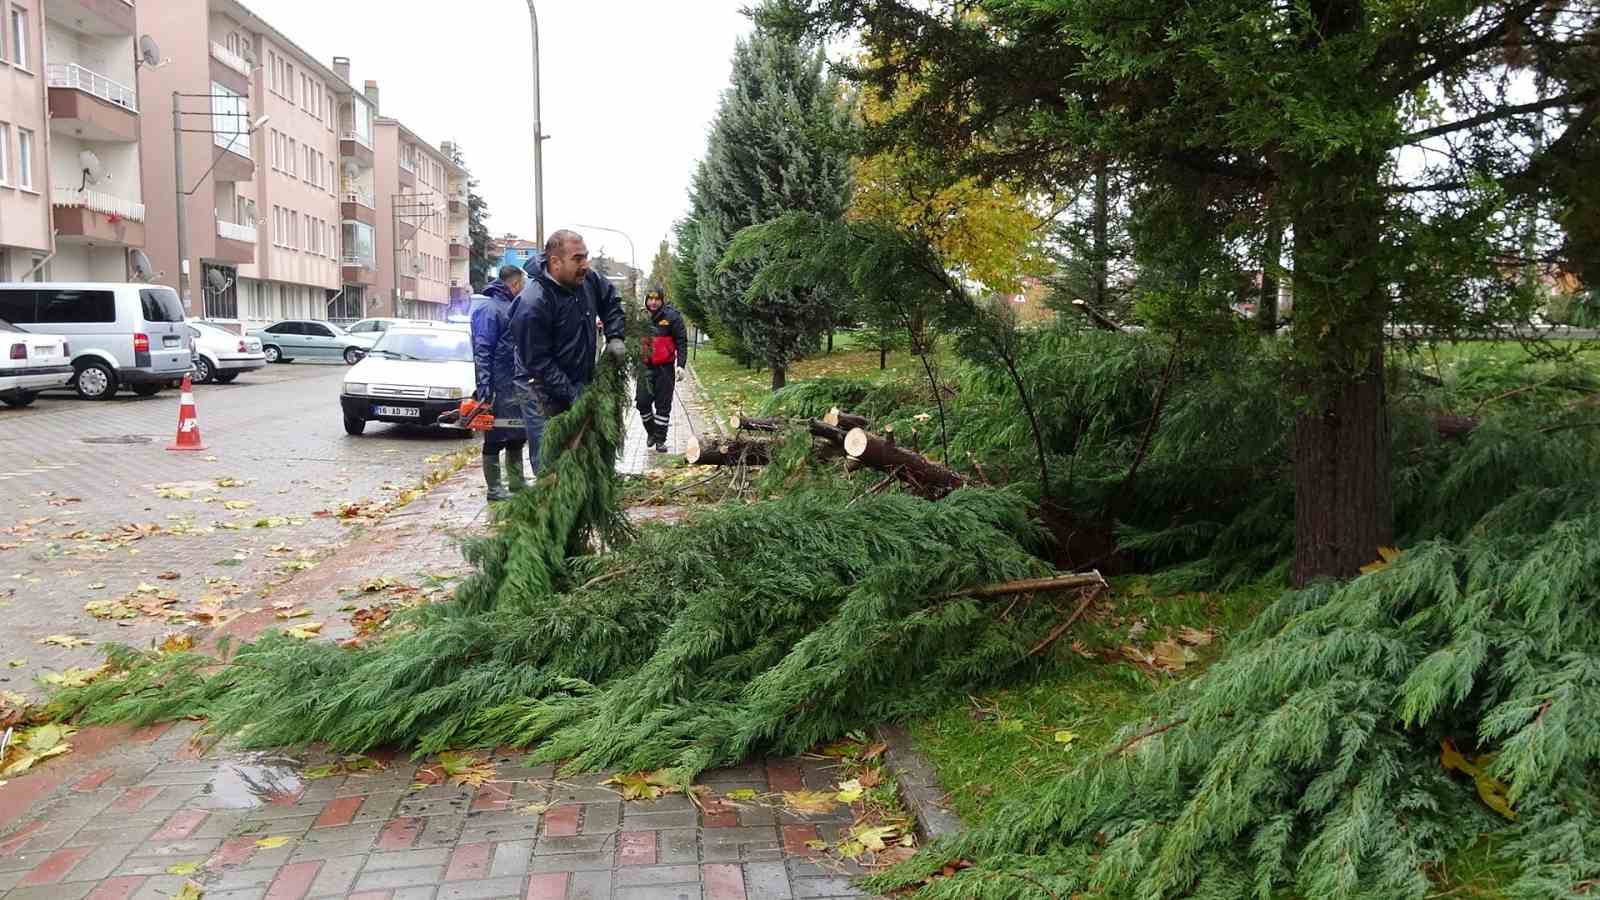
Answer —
730 388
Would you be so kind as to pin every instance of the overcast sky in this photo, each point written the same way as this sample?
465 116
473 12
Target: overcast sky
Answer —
629 88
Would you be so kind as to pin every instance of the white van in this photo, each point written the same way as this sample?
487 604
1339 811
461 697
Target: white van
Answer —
122 335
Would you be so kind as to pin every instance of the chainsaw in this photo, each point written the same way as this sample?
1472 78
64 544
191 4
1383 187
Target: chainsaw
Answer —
473 414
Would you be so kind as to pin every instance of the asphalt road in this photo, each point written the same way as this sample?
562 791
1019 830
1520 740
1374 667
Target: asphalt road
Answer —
73 471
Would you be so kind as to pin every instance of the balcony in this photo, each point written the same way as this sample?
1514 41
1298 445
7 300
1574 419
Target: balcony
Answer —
236 243
458 203
230 69
94 217
408 173
234 163
458 250
358 147
358 206
85 104
95 17
354 269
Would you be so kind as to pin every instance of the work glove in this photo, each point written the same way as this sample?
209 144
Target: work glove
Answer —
679 375
617 350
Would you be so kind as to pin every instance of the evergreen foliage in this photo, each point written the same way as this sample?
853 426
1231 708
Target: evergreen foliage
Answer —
779 144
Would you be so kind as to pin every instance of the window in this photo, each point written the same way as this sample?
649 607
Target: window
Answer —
160 305
230 120
317 329
285 327
5 153
16 306
276 81
19 37
294 231
290 165
288 81
328 110
78 306
359 243
25 159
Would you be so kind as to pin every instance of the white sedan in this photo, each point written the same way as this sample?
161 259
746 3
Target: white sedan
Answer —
412 376
221 356
31 362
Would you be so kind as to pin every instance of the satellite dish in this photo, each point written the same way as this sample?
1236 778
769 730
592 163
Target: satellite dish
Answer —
150 52
92 170
140 264
217 281
416 265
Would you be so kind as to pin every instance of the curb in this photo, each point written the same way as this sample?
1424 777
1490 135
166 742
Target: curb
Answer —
919 786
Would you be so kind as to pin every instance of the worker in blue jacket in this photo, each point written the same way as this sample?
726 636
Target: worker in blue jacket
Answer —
494 361
553 327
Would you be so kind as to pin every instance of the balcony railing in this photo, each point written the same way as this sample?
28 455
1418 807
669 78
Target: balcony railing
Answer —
72 75
360 197
99 202
408 165
356 262
235 232
230 59
359 138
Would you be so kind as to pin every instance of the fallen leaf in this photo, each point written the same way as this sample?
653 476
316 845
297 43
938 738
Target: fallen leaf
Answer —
174 493
850 791
871 778
742 794
169 576
1066 737
1173 656
228 482
810 801
643 785
237 504
1491 790
272 843
177 643
535 809
17 663
183 868
1386 557
466 768
190 890
65 640
875 838
1194 637
294 614
272 522
74 676
305 631
841 749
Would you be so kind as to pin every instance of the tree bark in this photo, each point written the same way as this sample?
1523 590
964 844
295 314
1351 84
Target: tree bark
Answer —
748 423
883 357
726 452
1102 244
779 378
1271 259
914 469
840 419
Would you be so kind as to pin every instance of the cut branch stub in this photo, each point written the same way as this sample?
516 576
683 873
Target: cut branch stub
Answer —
726 452
912 468
750 423
840 419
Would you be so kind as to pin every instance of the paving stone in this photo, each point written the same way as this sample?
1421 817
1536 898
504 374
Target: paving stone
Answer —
572 862
52 891
643 821
677 846
511 858
657 875
408 859
495 832
441 831
602 818
100 863
485 889
379 806
241 894
241 878
310 852
337 875
723 882
574 843
751 772
344 834
135 833
651 892
826 887
590 886
294 881
415 892
469 862
453 806
767 881
399 878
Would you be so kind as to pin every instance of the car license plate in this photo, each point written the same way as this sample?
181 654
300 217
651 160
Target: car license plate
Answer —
409 412
169 340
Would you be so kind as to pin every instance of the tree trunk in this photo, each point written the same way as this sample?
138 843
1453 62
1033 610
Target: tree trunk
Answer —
750 423
830 340
726 452
840 419
1102 244
1271 259
779 378
1343 498
919 471
883 357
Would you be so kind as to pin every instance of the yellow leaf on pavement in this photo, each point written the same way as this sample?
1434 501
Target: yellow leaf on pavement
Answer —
272 843
742 794
238 504
17 663
850 791
305 631
874 838
190 890
810 801
183 868
643 785
466 768
177 643
65 640
74 676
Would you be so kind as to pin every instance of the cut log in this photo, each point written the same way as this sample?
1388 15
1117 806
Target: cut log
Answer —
840 419
726 452
1454 428
912 468
1100 319
751 423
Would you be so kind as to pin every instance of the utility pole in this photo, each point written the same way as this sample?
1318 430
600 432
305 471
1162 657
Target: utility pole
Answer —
538 136
183 223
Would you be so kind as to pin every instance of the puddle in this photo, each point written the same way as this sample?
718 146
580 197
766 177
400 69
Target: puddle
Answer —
248 783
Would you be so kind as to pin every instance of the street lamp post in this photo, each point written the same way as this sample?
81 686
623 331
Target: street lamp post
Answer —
633 258
538 135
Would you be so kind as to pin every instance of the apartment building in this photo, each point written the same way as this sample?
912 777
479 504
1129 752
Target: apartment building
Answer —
456 232
413 183
358 205
25 211
262 223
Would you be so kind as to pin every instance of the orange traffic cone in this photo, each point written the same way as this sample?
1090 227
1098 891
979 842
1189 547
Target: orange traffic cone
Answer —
188 422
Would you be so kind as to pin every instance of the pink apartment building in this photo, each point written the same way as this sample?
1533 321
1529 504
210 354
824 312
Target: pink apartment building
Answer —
25 211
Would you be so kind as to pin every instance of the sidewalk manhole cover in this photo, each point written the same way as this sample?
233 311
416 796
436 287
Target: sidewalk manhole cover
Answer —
120 439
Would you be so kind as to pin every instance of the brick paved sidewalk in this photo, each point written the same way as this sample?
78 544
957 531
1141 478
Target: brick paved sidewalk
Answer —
254 827
112 820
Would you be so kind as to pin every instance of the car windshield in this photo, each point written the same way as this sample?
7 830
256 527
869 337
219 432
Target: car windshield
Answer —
7 326
431 346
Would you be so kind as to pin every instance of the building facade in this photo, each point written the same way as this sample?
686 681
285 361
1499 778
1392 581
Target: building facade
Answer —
26 217
414 181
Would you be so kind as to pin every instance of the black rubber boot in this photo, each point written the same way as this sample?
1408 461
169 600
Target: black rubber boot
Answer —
491 477
514 479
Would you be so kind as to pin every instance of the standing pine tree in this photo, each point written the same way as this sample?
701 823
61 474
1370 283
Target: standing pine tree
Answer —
478 261
777 146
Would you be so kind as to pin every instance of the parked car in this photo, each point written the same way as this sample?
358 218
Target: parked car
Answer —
367 331
30 363
412 376
221 356
295 338
122 334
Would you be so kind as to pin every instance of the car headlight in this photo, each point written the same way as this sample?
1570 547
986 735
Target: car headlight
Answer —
444 393
354 387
